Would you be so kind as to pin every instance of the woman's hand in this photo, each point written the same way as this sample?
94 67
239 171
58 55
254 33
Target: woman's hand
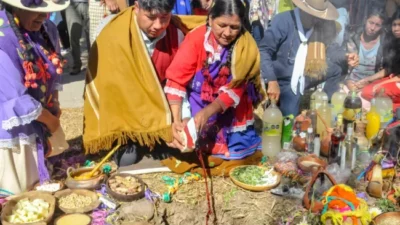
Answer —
361 83
350 84
273 90
375 88
52 122
352 60
201 119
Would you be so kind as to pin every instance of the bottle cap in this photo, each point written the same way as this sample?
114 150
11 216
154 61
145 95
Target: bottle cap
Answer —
310 130
317 135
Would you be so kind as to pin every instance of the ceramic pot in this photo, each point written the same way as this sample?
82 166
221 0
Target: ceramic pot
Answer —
92 183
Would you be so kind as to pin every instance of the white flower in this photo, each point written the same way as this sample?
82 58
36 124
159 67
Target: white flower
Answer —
374 211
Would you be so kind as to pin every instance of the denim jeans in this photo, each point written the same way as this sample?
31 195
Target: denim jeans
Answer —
257 30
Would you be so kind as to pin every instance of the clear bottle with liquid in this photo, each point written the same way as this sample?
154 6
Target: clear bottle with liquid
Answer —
272 130
336 138
317 145
310 140
352 109
349 149
325 114
317 97
312 114
384 106
337 102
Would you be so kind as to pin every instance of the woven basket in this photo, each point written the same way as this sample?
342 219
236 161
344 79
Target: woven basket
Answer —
7 210
95 200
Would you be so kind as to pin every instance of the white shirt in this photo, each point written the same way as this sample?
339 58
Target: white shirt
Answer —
151 44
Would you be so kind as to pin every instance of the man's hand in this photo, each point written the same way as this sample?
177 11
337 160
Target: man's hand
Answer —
273 90
352 59
111 5
177 143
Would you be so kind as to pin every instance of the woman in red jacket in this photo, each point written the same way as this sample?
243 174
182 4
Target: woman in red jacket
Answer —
217 68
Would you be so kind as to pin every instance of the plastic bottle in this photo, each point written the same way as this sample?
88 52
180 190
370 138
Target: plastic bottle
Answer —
287 132
384 106
324 112
317 97
352 109
373 122
272 130
317 145
337 102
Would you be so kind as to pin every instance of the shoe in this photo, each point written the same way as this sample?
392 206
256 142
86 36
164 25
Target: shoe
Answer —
64 51
75 71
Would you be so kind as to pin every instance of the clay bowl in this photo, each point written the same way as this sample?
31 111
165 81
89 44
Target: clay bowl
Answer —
58 221
92 183
62 186
311 163
122 197
389 218
94 204
251 187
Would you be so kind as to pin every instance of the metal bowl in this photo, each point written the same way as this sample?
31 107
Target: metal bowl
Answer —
92 183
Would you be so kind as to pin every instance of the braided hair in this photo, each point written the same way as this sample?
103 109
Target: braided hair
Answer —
27 51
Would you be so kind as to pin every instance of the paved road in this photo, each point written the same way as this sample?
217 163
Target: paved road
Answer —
71 96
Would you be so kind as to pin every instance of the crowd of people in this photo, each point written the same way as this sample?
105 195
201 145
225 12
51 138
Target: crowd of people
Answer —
150 70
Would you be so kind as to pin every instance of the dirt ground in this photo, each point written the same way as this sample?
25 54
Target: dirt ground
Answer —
231 204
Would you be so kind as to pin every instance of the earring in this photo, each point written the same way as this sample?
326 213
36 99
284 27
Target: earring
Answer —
16 19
